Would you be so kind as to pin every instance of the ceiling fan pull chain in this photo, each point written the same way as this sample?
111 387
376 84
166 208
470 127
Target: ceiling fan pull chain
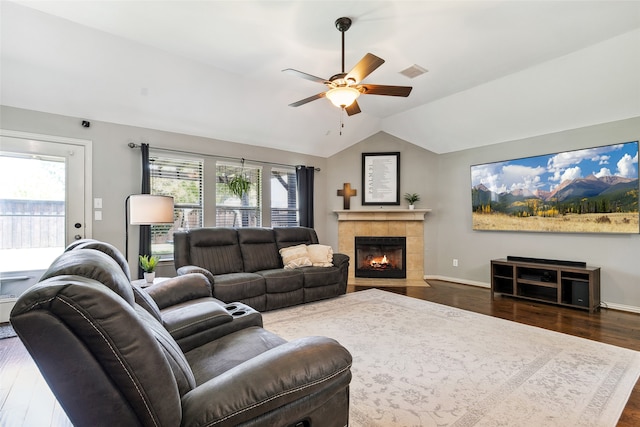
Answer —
341 119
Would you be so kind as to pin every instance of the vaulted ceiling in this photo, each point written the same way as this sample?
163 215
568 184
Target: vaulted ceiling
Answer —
497 70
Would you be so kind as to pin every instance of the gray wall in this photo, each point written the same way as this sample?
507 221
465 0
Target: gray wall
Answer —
418 174
117 168
617 255
443 181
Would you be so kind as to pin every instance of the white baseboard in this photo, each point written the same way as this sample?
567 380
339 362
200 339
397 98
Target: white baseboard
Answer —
603 304
457 280
6 305
620 307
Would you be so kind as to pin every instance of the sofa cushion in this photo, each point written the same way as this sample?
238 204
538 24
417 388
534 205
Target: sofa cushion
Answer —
238 286
259 250
295 257
172 352
216 357
320 276
281 280
105 247
291 236
216 249
96 265
320 255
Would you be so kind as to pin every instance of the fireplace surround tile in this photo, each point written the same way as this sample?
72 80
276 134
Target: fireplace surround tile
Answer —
405 223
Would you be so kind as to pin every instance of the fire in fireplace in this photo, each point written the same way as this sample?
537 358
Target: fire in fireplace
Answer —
381 257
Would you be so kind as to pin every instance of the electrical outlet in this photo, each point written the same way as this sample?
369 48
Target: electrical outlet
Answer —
455 262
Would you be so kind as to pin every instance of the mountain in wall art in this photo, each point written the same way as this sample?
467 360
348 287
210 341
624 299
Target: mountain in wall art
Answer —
593 190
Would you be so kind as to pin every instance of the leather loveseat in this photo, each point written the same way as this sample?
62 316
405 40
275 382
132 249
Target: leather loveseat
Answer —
111 362
245 265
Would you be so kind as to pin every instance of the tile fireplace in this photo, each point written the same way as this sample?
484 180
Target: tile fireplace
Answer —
405 223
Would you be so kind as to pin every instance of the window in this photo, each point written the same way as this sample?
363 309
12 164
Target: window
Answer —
182 179
284 198
233 210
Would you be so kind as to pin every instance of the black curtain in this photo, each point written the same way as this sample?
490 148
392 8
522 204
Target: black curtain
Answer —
145 230
304 177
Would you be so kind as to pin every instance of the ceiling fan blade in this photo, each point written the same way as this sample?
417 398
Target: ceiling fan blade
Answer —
309 99
304 75
365 67
353 108
386 90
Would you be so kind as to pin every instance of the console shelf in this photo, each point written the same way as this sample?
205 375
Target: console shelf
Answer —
570 286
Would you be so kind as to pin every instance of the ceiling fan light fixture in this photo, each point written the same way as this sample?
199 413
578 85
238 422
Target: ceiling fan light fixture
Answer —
343 96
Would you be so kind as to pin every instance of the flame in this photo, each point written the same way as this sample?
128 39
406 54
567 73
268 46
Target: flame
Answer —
377 262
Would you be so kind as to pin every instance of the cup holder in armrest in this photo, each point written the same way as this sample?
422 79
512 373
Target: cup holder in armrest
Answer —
237 310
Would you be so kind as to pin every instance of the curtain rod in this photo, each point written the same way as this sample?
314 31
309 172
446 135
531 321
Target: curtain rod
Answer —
240 159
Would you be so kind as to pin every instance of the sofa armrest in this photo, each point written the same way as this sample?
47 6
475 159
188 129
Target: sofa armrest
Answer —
340 259
179 289
190 269
268 382
190 318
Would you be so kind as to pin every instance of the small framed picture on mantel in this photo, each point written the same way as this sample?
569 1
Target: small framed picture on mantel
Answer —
381 178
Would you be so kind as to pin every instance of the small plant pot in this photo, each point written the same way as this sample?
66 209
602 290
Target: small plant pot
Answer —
412 207
150 277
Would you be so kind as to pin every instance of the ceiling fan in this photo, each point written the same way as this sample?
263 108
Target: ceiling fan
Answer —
345 88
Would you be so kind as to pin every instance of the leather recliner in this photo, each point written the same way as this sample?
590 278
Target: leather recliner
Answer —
110 362
183 304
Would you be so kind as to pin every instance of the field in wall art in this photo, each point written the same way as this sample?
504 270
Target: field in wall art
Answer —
593 190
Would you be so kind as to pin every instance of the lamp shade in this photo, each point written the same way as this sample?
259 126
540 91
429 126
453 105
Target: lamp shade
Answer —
146 209
342 96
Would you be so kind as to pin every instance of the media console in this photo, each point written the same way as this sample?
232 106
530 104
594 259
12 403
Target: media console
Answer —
563 283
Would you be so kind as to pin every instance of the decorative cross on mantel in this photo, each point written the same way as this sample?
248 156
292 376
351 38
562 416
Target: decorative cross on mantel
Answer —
346 194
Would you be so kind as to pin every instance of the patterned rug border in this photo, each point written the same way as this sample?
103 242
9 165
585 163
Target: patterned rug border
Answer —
604 407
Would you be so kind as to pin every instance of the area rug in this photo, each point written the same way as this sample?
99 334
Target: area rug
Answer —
417 363
6 331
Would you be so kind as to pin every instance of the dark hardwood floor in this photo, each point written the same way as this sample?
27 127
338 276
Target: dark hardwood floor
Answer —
25 399
613 327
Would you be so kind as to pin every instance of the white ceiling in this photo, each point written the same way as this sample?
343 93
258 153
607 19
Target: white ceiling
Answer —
213 68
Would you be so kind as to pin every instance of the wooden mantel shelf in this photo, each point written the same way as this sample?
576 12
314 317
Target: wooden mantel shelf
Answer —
382 215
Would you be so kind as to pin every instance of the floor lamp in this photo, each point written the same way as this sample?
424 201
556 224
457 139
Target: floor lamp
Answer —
146 209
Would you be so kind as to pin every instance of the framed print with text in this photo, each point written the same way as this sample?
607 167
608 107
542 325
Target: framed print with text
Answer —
381 178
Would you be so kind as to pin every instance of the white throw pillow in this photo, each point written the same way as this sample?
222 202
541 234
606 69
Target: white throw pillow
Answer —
320 255
295 257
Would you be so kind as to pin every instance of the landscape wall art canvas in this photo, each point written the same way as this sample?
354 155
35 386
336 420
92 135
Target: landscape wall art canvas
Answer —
593 190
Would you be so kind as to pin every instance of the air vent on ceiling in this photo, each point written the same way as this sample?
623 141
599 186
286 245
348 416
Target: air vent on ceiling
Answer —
414 71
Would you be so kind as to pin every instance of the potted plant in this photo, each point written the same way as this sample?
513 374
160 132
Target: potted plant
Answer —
411 198
239 185
148 264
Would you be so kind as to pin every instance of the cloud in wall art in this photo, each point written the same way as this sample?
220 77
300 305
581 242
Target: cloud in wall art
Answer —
592 190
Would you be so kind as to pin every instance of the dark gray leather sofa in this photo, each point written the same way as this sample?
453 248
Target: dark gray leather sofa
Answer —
244 264
110 362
